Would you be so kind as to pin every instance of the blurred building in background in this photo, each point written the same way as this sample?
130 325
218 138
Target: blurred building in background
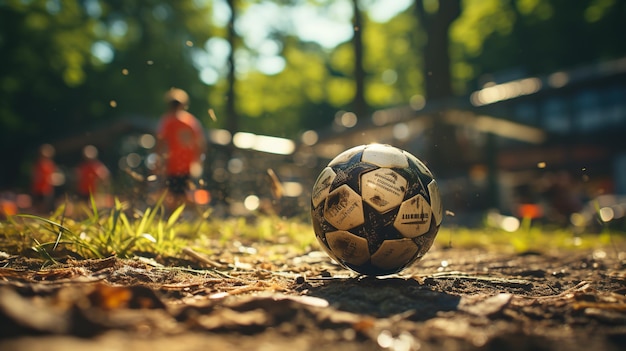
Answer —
534 146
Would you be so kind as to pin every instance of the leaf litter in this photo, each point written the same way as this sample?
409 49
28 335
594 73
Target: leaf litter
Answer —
454 299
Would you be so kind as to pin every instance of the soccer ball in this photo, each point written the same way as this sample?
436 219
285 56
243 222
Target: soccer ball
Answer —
376 209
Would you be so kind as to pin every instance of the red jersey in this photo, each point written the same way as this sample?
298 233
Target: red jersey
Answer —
183 137
90 173
42 176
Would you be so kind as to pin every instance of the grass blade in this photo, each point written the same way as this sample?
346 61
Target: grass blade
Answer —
174 216
94 208
45 220
56 243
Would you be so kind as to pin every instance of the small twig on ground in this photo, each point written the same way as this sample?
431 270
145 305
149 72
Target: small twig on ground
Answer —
201 258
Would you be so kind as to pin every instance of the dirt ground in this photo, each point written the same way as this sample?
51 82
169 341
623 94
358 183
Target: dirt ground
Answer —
454 299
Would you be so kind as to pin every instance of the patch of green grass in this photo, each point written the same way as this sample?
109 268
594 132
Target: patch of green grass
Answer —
125 233
101 233
528 238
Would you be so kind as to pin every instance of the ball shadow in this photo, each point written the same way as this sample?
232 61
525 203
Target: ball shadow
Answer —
385 297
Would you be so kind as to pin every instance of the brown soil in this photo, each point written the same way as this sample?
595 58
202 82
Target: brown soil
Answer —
455 299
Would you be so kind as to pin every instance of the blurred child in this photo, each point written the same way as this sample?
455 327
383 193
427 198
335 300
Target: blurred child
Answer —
42 188
180 145
92 174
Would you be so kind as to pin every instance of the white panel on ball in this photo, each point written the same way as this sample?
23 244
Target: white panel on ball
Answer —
346 155
383 189
394 253
435 201
348 247
322 186
344 208
384 156
413 217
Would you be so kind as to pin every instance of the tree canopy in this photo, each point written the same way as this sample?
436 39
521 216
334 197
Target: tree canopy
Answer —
68 66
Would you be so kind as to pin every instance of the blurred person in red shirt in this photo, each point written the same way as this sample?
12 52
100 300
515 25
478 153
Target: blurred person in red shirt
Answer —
42 187
180 145
92 174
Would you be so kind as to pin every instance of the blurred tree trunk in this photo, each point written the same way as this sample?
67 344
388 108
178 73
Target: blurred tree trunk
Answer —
436 55
444 155
232 124
358 104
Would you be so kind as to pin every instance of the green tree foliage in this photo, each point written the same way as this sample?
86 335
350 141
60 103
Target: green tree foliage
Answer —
317 82
45 48
154 42
67 66
528 37
391 61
